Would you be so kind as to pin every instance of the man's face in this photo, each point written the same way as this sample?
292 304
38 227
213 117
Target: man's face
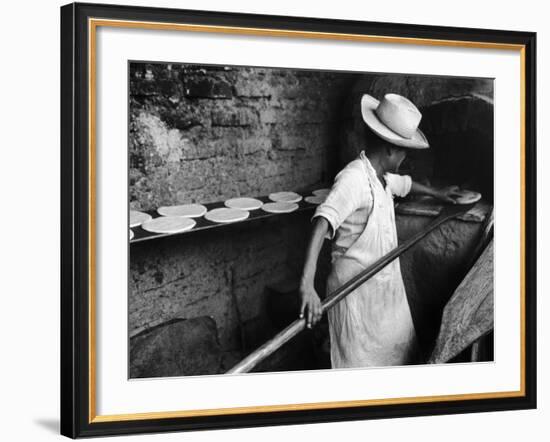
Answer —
396 158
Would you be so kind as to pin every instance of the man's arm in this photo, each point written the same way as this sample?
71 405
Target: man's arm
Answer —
311 304
445 194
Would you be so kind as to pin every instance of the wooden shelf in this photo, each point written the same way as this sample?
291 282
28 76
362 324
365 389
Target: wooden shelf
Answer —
418 207
203 224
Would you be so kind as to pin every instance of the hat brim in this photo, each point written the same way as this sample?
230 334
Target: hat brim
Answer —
368 107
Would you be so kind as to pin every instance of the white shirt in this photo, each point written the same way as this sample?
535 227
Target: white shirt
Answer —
371 326
349 202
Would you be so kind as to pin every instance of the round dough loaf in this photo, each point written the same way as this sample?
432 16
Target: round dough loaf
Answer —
226 215
186 210
138 218
280 207
169 224
244 203
315 199
321 192
285 197
467 197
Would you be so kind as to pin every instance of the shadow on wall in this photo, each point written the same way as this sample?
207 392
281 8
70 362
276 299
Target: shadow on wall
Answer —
178 346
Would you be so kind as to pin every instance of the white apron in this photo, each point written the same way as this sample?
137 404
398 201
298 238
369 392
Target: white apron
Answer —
372 326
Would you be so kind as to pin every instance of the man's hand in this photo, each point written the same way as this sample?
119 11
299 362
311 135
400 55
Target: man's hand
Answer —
447 194
311 305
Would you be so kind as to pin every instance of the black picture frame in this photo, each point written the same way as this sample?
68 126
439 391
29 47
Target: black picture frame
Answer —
76 417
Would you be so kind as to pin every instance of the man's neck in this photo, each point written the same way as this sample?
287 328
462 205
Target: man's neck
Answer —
378 165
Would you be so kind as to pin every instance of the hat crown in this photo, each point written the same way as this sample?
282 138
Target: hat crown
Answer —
399 114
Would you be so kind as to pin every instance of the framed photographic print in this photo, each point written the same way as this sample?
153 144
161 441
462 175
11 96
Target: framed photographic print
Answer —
278 220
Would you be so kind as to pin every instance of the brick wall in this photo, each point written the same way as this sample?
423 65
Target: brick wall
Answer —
205 134
223 274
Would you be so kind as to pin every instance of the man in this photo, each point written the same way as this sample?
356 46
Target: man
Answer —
372 326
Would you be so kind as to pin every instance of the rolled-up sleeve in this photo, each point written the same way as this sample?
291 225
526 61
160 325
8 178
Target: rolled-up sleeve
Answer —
400 185
343 199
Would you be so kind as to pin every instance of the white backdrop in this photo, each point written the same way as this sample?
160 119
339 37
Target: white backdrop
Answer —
29 175
115 395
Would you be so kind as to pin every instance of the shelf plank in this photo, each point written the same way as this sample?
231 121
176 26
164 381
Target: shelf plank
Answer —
423 207
203 224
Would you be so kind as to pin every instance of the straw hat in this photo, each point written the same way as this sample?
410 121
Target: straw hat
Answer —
394 119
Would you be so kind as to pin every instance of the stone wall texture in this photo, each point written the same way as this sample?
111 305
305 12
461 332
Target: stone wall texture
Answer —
207 133
223 274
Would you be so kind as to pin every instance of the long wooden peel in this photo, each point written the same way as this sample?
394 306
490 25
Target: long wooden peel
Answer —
262 352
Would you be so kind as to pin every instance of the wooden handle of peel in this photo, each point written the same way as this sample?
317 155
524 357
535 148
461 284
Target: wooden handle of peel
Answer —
298 325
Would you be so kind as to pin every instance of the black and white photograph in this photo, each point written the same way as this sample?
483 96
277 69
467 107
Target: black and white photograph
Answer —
275 221
290 219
